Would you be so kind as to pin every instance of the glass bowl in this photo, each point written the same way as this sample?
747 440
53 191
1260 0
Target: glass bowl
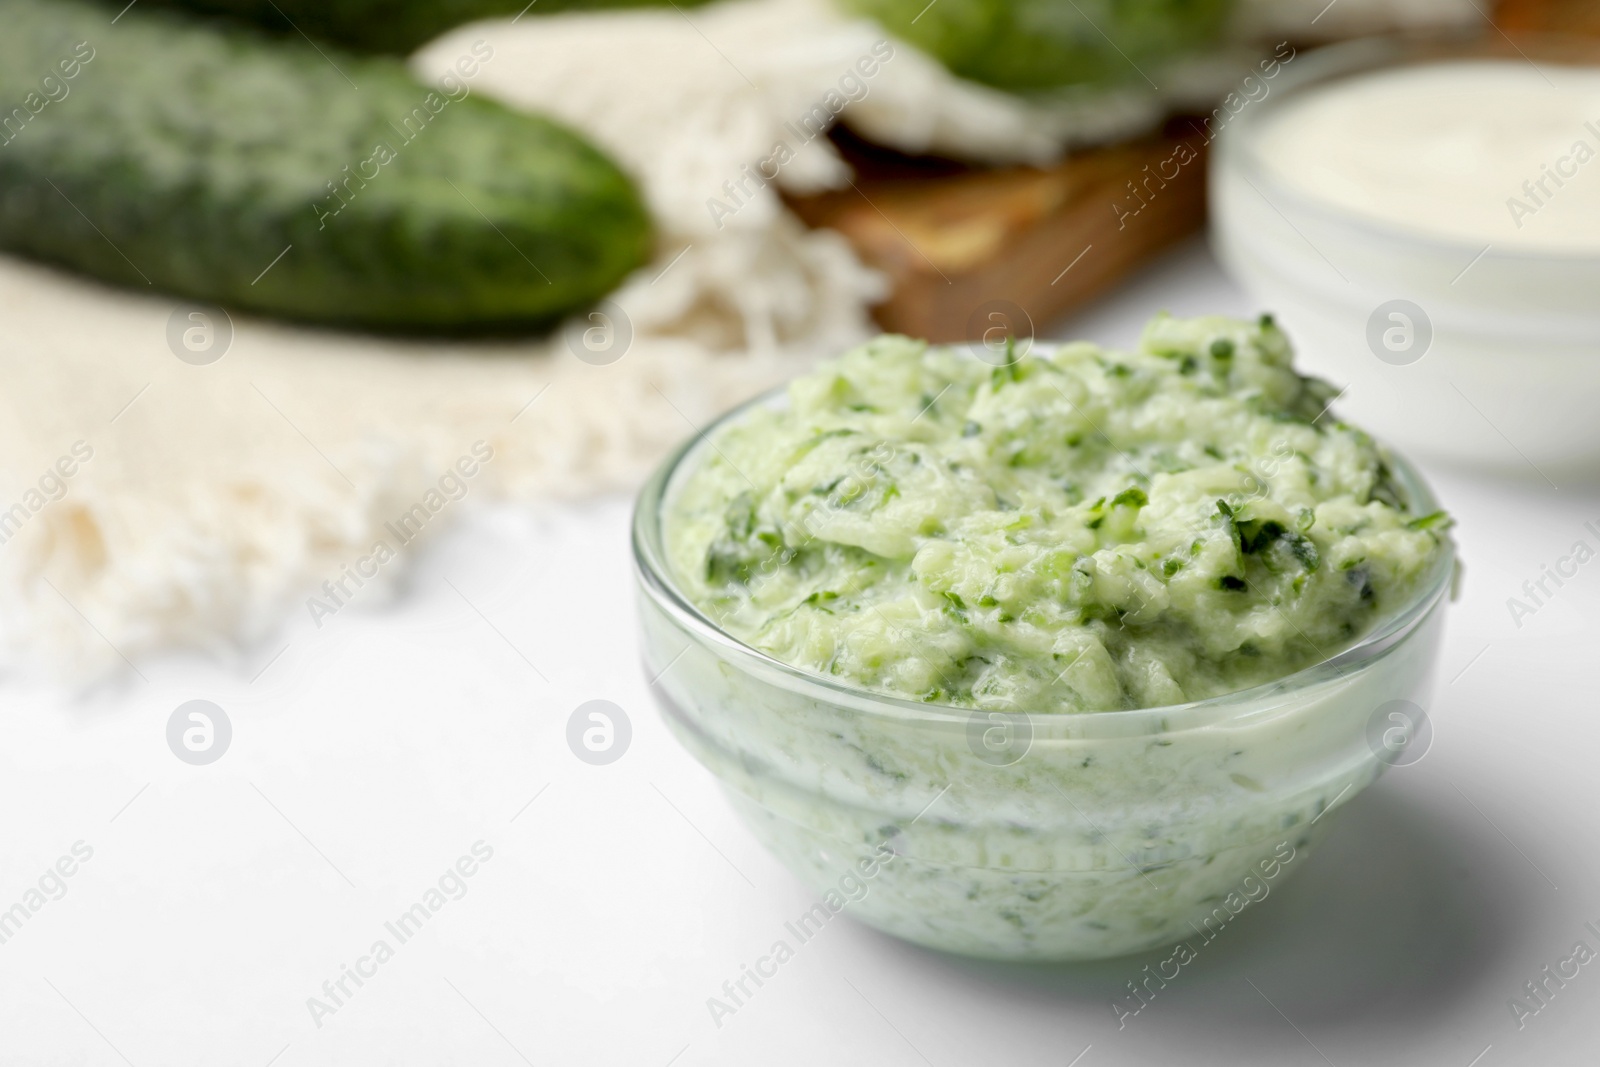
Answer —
1030 836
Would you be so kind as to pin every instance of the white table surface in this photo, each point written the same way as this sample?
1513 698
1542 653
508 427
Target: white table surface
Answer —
371 754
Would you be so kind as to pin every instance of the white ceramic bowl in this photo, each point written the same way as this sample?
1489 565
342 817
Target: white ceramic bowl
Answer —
1501 368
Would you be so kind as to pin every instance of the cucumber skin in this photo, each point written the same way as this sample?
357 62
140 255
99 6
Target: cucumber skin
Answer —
1026 46
390 26
200 154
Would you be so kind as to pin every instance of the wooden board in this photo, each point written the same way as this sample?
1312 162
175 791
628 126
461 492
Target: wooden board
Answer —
961 245
1549 16
958 244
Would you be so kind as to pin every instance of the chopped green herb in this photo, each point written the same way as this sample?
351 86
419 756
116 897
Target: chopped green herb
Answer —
1435 520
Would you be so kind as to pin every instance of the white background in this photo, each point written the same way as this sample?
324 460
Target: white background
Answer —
370 754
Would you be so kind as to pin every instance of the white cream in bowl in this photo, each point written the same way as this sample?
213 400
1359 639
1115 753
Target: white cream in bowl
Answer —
1427 228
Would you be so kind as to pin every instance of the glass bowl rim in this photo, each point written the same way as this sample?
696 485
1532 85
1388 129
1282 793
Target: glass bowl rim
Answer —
1238 148
653 574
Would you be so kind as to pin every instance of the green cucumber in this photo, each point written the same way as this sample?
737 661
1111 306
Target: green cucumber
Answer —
392 26
275 176
1039 45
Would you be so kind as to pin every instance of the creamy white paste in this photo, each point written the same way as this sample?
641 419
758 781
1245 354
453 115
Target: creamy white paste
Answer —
1489 151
